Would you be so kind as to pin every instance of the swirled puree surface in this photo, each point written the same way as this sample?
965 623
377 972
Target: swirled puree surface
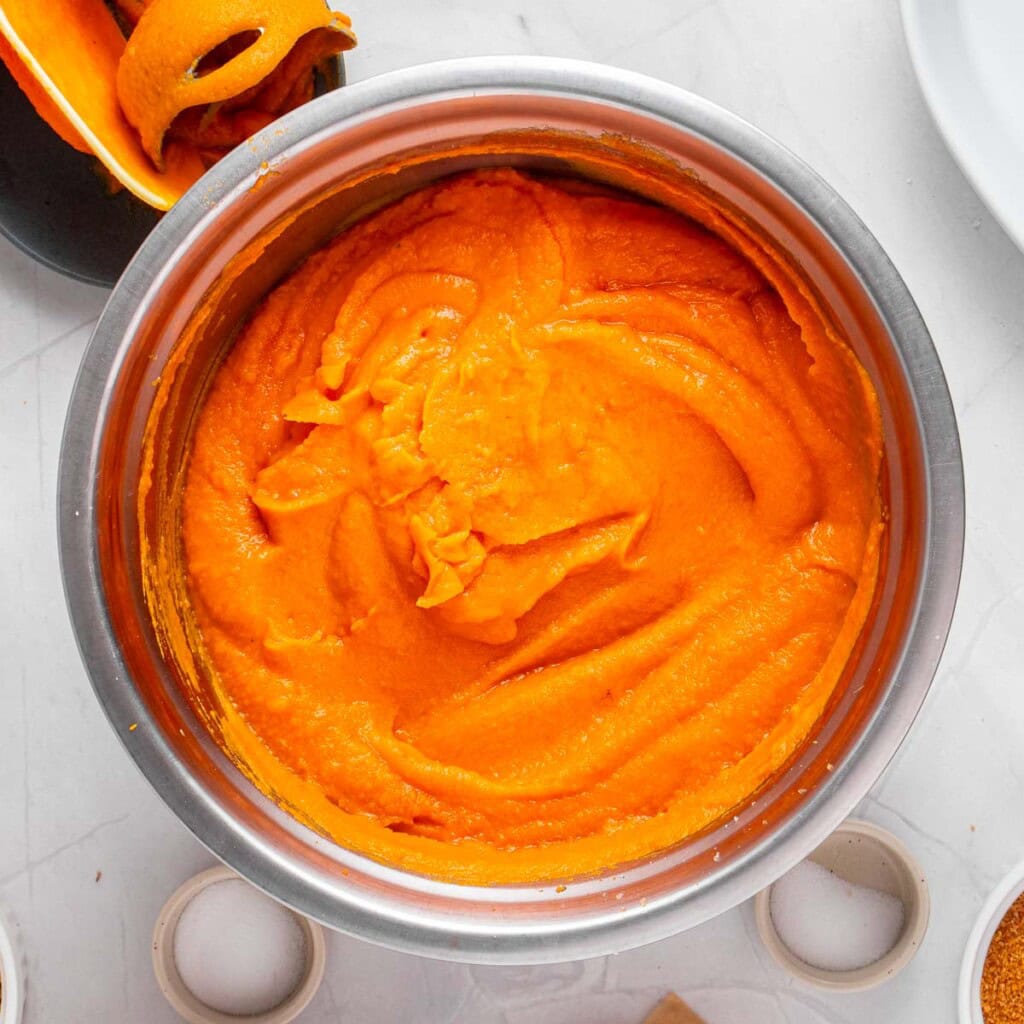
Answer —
528 528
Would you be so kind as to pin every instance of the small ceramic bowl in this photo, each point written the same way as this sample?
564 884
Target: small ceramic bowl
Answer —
998 903
862 854
178 994
12 982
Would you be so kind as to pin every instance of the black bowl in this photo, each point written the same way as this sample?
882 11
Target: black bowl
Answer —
57 205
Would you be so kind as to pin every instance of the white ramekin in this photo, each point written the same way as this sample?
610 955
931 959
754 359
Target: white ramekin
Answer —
178 994
1000 900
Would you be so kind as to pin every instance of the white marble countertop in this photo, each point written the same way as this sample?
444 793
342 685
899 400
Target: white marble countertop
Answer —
88 852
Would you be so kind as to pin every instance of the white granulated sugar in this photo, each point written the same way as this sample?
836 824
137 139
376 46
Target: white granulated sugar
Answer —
238 951
831 924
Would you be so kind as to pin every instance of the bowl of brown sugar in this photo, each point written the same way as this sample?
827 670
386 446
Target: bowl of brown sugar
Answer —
991 987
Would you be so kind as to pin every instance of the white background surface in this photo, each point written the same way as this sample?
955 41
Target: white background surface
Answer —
833 82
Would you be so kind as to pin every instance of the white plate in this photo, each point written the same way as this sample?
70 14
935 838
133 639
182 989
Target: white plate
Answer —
10 974
969 59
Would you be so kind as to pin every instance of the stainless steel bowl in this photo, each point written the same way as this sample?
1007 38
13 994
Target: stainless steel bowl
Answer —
283 196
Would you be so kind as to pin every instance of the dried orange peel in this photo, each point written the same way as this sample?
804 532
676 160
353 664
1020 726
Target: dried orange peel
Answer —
160 75
67 54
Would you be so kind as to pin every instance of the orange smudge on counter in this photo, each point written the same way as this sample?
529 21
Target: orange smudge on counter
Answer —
528 528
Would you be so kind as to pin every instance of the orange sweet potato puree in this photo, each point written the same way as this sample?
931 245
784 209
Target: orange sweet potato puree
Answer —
531 527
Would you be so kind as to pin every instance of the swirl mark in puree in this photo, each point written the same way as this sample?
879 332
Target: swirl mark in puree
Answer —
529 528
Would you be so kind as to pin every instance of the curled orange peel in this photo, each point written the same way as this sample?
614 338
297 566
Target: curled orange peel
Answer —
160 75
64 54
